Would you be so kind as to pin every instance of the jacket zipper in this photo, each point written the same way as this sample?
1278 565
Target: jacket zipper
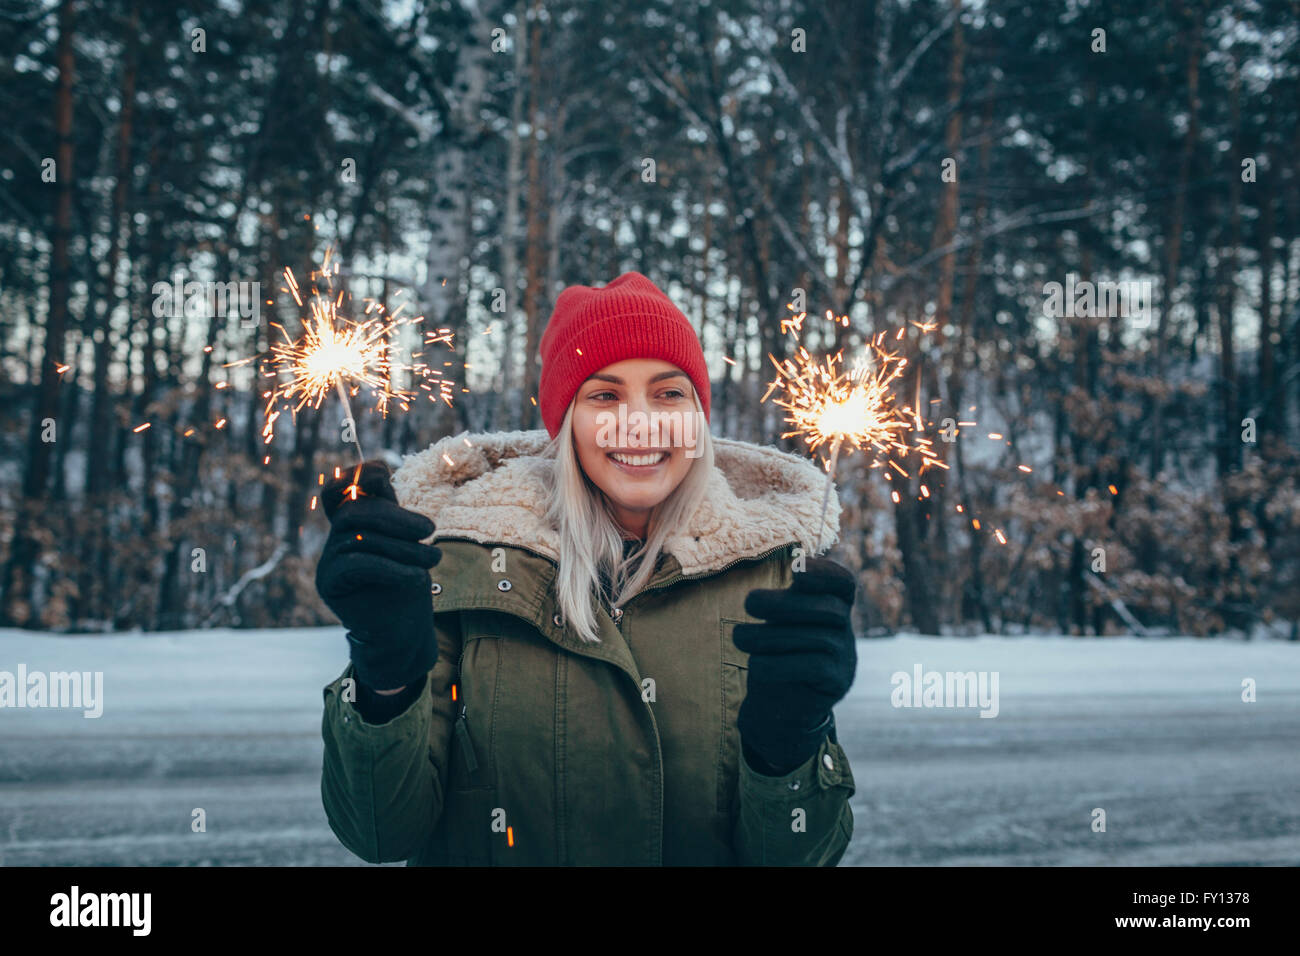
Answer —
466 746
462 723
673 580
653 722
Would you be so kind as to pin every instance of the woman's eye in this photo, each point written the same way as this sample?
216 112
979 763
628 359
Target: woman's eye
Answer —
673 393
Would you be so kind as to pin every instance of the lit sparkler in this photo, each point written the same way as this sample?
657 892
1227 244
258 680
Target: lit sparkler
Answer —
859 406
341 355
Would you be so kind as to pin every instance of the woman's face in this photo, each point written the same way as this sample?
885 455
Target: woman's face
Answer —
643 394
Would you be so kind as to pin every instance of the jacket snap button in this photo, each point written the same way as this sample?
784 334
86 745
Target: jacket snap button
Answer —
826 759
618 613
559 621
503 585
437 588
794 784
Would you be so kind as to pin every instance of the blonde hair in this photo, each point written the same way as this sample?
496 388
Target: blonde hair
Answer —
590 539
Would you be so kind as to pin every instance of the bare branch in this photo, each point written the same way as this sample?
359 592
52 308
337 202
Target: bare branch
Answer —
1016 221
839 159
909 62
228 599
422 125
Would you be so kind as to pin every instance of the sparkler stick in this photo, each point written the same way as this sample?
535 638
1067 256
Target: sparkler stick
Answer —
826 494
347 410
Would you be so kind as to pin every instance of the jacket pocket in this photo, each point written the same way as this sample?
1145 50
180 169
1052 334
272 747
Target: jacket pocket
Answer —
734 672
470 798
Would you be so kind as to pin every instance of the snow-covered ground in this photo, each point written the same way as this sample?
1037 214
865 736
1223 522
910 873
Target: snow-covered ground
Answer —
1154 732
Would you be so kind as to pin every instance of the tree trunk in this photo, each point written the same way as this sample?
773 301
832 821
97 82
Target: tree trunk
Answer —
24 550
97 470
533 261
47 404
1230 432
1174 237
945 225
918 581
1269 401
510 232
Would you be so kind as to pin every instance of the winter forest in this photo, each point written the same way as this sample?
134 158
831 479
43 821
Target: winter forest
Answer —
1078 221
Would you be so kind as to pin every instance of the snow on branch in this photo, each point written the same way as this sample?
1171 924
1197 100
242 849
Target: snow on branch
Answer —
1117 605
910 61
422 125
248 577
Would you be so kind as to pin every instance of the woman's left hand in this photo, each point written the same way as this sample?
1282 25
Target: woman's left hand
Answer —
802 660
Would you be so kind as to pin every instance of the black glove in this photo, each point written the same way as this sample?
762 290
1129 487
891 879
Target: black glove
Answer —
802 660
374 574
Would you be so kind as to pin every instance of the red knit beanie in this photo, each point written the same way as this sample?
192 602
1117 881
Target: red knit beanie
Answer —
592 327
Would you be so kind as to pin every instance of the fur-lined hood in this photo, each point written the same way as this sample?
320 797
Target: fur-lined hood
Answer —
488 487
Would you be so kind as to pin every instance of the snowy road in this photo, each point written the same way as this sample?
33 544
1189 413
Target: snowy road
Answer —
1153 732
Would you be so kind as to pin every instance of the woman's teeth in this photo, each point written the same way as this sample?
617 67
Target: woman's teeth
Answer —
640 459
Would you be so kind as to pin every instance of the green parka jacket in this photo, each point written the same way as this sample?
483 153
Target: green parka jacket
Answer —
531 747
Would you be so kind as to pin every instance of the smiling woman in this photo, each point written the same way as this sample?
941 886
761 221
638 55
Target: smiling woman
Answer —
619 664
638 487
623 352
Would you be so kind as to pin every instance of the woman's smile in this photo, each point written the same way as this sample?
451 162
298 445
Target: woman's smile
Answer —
637 462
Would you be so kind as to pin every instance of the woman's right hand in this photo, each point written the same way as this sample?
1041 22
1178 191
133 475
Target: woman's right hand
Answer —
374 575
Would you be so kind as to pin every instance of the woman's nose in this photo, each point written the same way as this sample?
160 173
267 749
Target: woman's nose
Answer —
640 431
